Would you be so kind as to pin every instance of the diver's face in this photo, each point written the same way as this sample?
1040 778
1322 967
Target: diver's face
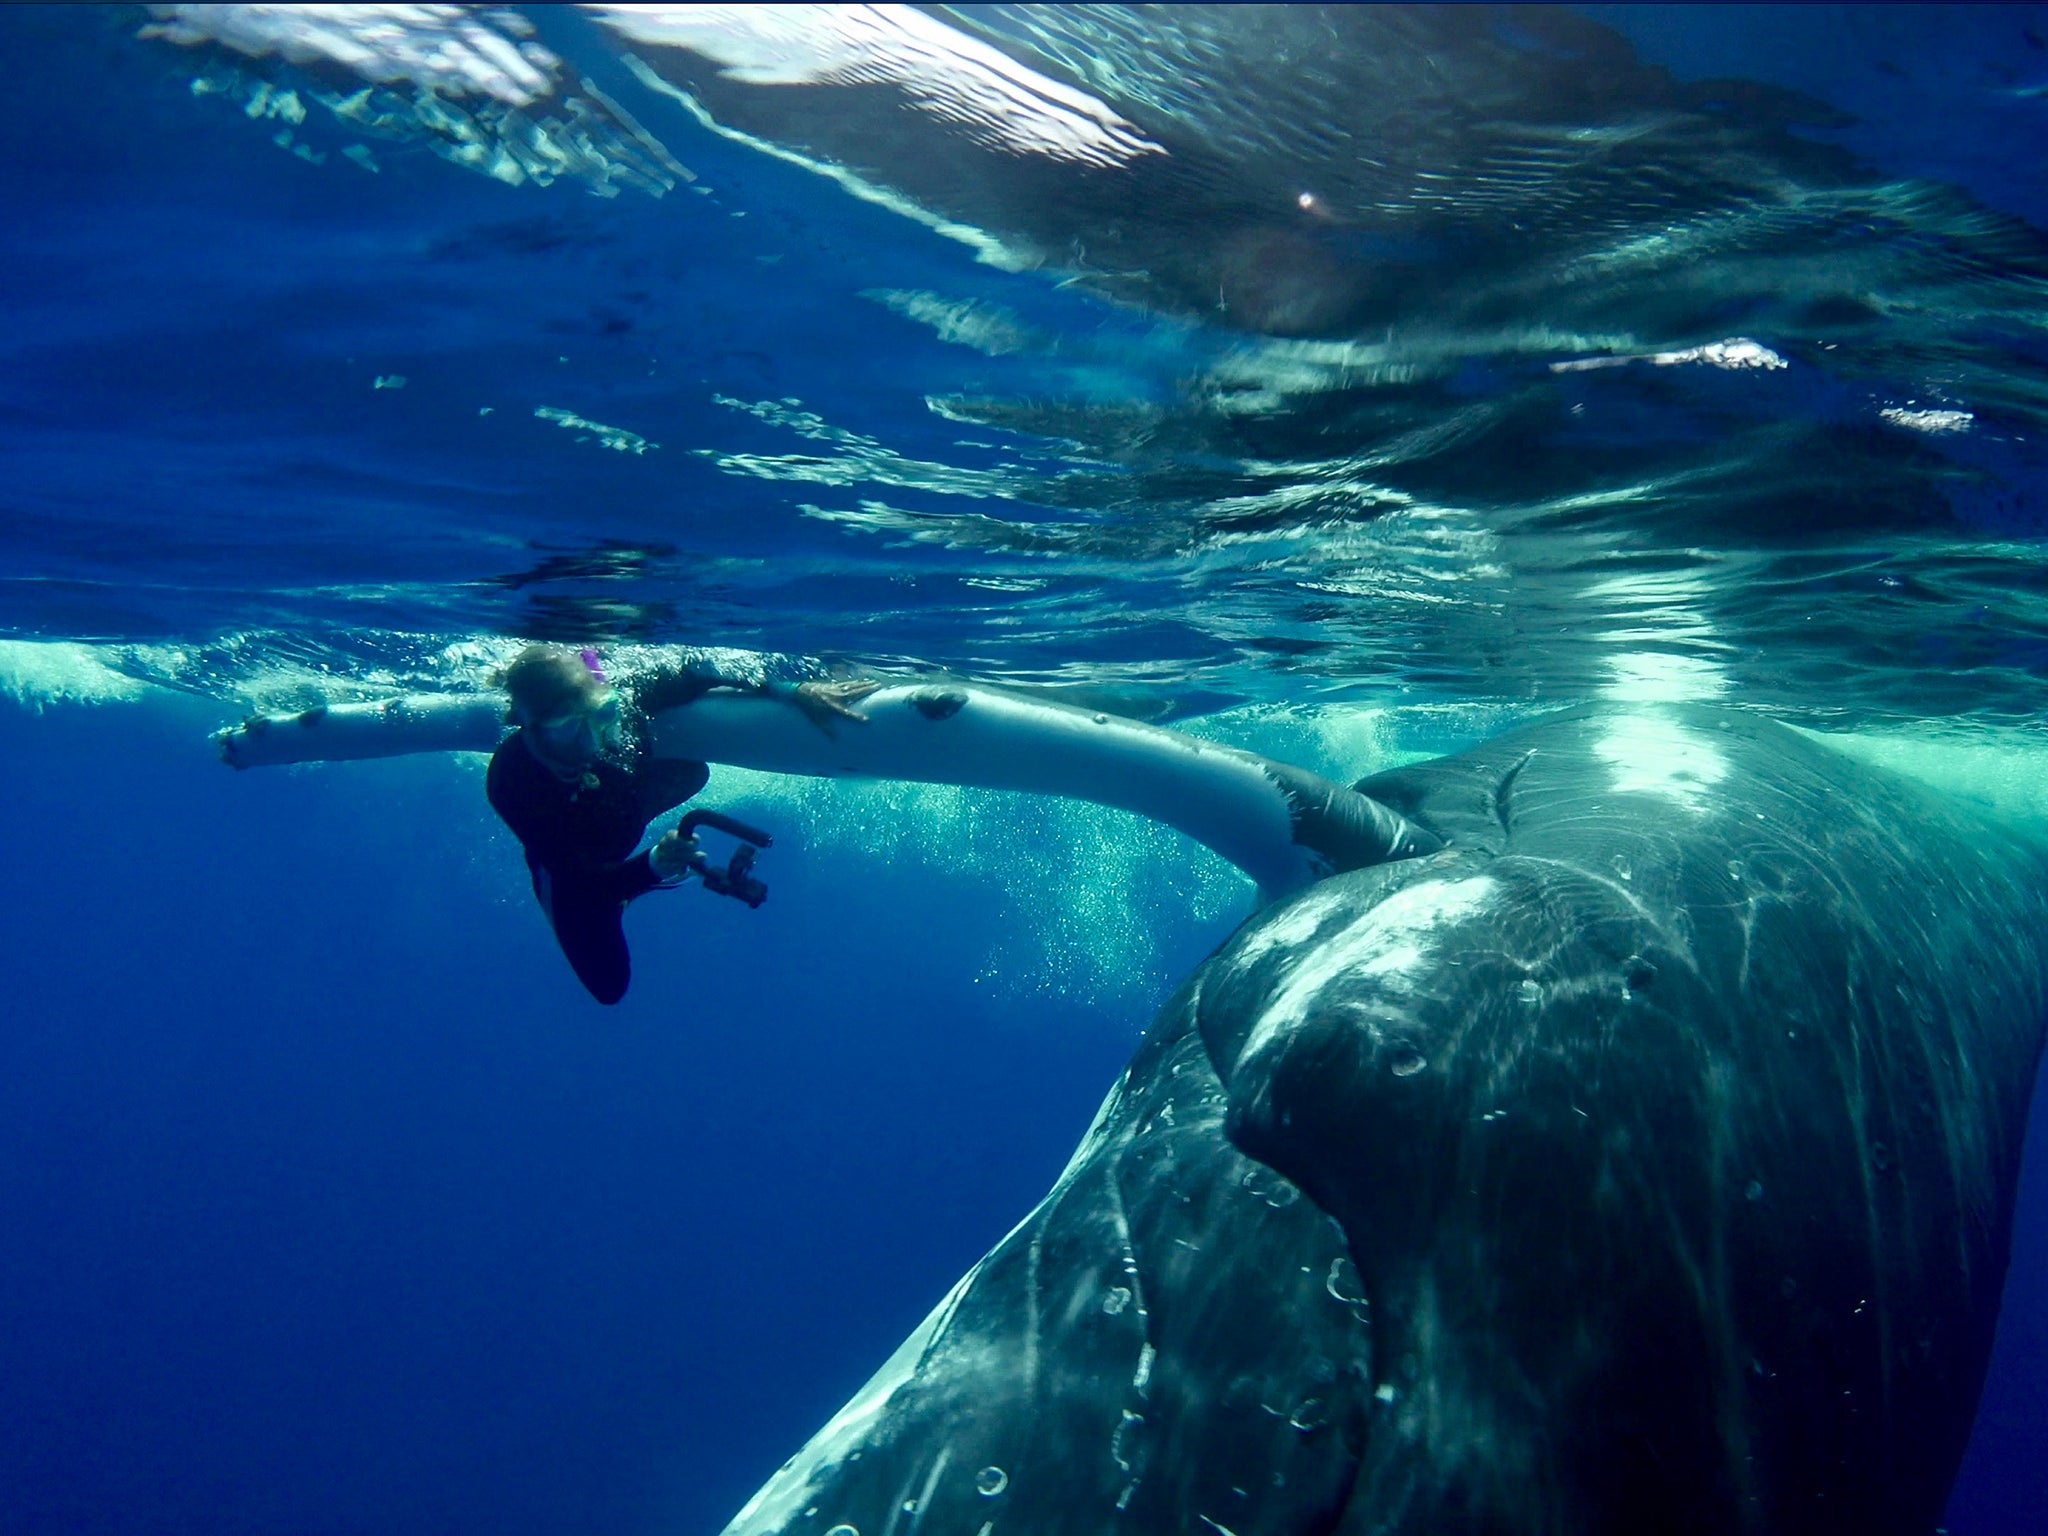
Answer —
579 733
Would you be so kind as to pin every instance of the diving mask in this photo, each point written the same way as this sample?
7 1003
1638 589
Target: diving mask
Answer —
581 733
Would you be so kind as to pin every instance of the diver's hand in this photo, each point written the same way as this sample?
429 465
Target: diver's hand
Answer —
823 703
672 855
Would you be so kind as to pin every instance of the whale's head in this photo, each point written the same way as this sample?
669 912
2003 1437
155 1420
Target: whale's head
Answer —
1640 1160
1505 1079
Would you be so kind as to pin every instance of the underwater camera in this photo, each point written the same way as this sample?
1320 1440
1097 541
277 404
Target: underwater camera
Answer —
736 879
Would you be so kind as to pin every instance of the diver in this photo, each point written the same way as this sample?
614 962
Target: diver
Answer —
577 785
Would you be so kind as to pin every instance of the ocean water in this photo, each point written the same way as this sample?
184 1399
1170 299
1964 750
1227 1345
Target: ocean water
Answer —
1344 383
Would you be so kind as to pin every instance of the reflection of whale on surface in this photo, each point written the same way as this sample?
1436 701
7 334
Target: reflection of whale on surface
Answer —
1320 170
1643 1161
1304 171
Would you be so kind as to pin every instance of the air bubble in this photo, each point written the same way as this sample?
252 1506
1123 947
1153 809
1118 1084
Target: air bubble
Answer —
990 1481
1271 1188
1621 867
1343 1282
842 1530
1880 1157
1405 1061
1115 1299
1530 993
1309 1417
1120 1441
1754 1191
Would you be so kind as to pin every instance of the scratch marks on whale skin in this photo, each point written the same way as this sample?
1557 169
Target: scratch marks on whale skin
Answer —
915 1505
1034 1320
1386 944
1503 794
1292 928
1620 888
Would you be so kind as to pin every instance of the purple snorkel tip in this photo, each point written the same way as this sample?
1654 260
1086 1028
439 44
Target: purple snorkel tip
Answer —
591 664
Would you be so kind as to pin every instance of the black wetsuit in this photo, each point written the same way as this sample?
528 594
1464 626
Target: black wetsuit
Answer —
579 835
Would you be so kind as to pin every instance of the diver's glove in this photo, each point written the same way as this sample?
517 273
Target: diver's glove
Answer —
736 878
675 857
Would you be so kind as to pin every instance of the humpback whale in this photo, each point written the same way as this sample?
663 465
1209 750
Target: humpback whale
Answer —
1641 1160
1614 1127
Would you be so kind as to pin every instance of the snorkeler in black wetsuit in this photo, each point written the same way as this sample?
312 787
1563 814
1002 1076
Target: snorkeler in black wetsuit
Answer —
578 787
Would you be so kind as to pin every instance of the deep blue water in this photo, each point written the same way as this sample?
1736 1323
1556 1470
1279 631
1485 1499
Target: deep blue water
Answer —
334 1205
329 1202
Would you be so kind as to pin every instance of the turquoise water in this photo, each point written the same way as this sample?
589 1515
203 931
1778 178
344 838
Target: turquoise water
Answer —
1341 383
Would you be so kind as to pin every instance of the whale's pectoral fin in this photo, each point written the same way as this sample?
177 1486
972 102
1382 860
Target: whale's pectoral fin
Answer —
1346 829
1117 1362
430 722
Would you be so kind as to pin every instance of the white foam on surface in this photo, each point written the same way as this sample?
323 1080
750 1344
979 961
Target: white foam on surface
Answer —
35 673
472 83
1934 421
987 328
618 439
1736 354
447 48
954 77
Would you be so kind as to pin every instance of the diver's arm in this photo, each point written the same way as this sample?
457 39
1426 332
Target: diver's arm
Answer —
665 863
569 864
685 674
628 878
692 673
475 722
